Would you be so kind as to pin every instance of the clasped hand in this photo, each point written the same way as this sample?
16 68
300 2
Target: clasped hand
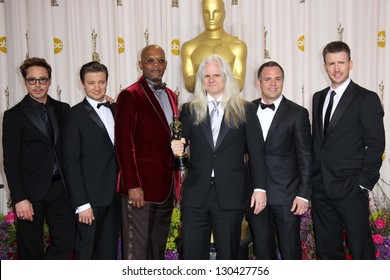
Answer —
177 146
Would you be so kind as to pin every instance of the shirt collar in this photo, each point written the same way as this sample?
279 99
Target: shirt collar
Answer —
36 104
152 84
93 102
277 102
209 98
340 90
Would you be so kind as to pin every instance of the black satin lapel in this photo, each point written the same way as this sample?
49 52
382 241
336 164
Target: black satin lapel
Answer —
206 127
222 133
341 106
257 103
35 119
319 112
93 115
279 115
112 109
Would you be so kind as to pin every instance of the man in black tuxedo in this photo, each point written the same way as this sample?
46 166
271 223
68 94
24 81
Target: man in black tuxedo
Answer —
220 128
33 165
91 167
349 141
287 134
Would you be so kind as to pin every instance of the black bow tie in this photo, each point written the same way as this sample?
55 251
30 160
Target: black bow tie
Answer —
271 106
107 104
159 86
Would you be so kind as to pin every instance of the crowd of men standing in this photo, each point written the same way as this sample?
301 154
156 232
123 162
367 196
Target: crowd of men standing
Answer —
101 168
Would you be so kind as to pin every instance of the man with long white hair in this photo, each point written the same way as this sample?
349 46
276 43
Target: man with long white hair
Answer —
220 128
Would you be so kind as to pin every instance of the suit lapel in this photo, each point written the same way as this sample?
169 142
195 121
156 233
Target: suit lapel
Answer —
34 117
93 115
341 106
280 113
154 102
320 121
222 133
172 100
257 105
206 127
96 119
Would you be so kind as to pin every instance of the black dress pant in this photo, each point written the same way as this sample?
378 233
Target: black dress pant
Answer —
332 216
276 221
99 240
56 209
198 223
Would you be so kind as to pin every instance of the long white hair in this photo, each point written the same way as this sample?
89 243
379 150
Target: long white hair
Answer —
232 103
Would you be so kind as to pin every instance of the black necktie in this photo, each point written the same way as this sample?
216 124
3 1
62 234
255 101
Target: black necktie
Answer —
49 128
48 123
106 104
159 86
328 111
270 106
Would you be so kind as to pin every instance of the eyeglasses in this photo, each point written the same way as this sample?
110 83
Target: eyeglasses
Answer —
33 81
150 61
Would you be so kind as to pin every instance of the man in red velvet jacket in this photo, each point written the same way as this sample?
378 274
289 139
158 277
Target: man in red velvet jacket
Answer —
144 113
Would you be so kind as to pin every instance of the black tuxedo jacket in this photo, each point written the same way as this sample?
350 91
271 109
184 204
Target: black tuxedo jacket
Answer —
90 162
351 153
28 152
288 154
226 158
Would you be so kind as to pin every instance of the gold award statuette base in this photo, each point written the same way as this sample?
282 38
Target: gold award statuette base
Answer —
181 162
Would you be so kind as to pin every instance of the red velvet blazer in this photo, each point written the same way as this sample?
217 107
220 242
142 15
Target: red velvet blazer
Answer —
142 139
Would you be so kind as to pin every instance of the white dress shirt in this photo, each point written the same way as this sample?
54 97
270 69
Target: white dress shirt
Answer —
267 115
339 93
105 115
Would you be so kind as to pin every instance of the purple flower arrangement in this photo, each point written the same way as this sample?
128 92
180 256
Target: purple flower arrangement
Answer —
7 236
379 221
8 244
307 237
380 227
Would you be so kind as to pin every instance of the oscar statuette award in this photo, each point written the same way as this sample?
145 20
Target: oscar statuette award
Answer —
180 160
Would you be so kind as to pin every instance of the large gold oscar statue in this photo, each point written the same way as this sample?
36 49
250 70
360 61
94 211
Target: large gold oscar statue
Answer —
214 40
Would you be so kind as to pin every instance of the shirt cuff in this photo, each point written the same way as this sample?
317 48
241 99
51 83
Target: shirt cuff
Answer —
304 199
83 207
259 190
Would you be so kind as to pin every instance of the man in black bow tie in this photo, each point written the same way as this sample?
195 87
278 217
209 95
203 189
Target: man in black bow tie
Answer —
105 104
91 167
270 106
286 132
